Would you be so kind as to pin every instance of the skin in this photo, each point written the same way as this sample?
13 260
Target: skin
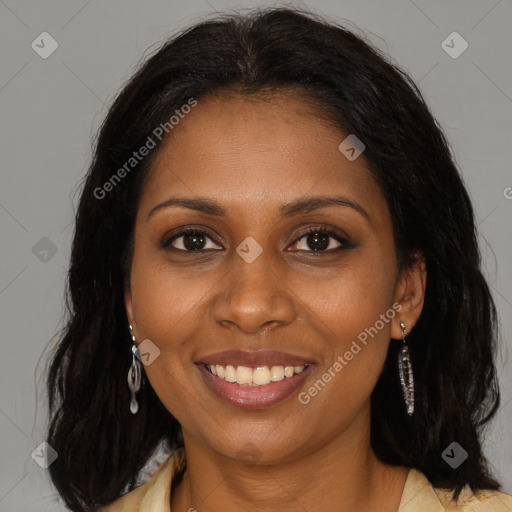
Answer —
251 156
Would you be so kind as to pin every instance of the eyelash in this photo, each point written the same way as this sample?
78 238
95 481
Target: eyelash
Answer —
332 233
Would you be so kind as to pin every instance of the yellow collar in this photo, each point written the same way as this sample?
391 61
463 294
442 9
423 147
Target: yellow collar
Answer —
418 494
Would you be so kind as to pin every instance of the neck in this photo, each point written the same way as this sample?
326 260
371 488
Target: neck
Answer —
343 475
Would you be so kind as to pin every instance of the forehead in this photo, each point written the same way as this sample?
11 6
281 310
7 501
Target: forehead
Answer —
248 152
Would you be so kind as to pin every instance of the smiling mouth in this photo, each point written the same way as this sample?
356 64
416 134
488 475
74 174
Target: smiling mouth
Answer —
254 376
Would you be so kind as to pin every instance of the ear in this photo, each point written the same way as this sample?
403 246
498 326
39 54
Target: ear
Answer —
128 305
410 295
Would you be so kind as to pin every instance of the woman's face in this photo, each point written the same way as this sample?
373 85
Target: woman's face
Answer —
252 279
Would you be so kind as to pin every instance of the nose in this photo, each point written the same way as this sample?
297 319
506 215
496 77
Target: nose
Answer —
254 297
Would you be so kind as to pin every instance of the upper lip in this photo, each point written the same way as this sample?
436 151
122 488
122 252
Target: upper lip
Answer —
254 358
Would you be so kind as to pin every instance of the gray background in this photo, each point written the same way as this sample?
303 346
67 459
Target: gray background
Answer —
52 107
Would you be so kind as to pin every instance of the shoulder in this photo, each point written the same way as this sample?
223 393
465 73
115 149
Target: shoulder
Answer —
154 494
481 500
419 494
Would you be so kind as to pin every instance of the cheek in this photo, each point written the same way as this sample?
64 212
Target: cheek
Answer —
166 309
164 300
353 310
352 297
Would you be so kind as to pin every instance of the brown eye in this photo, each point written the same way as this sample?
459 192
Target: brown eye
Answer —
189 240
322 240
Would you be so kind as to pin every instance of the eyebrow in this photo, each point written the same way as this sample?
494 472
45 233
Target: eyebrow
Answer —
289 209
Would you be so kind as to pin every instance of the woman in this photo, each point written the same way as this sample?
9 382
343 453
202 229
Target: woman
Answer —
274 277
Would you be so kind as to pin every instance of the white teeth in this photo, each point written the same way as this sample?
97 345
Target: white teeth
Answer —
243 375
276 373
230 373
259 376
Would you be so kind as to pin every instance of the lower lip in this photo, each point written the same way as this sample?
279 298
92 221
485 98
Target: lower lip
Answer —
253 397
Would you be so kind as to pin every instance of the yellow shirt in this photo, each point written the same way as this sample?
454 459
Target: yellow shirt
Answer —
418 494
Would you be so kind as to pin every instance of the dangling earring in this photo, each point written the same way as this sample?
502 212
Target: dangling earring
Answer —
405 371
134 377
